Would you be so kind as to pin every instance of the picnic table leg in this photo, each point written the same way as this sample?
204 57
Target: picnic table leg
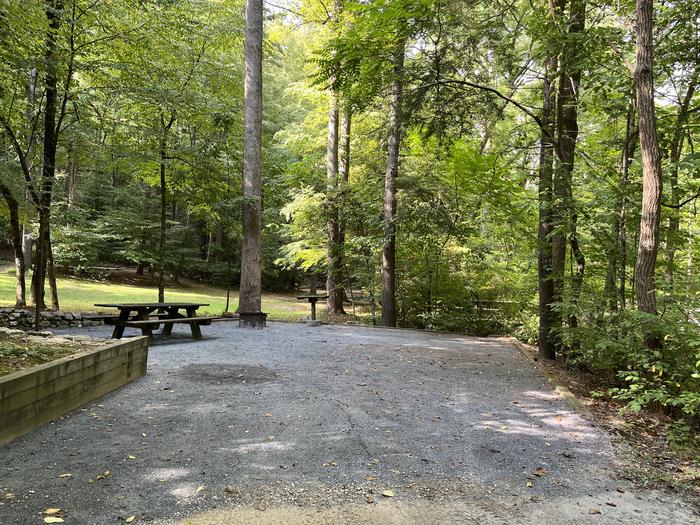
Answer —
120 323
146 329
313 309
168 327
194 325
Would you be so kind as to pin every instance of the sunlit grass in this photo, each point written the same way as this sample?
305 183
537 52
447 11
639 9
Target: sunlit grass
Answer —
77 295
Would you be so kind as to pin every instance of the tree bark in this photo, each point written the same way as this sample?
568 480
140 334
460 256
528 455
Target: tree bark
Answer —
16 241
251 252
51 269
627 156
547 348
392 168
676 150
344 173
645 284
53 16
334 286
163 209
567 133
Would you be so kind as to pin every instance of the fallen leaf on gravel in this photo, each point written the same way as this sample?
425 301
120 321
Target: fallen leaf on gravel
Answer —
620 490
130 519
529 484
594 510
540 471
370 499
611 504
200 488
66 476
388 494
53 519
131 456
51 511
371 478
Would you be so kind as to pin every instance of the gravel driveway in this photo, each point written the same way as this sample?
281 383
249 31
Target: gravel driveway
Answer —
331 424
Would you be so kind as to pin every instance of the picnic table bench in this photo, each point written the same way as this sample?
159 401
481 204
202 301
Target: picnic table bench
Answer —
150 316
312 299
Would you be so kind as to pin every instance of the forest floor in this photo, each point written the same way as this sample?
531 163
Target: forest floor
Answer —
333 424
80 295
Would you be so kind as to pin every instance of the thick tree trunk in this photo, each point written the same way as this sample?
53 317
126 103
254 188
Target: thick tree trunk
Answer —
544 266
251 252
674 157
645 284
392 168
334 286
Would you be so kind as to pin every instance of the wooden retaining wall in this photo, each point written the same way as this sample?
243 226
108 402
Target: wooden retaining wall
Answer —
35 396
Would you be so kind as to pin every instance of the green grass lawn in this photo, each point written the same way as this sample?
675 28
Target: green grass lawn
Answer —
80 296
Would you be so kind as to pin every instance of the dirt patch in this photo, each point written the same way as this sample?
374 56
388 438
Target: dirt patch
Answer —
217 373
20 350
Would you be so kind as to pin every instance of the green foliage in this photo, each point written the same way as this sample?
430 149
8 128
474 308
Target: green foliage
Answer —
664 379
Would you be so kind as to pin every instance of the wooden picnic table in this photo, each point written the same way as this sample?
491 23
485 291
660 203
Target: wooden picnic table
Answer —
313 299
149 317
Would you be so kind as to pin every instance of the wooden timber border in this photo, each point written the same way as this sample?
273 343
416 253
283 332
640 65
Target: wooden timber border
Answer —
29 398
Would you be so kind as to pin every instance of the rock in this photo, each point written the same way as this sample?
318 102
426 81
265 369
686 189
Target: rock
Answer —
40 334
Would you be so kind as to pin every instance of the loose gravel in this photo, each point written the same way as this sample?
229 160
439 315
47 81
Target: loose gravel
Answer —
330 424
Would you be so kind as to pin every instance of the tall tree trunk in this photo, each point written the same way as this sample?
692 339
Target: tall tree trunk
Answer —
30 137
631 136
334 286
392 168
53 16
645 285
675 156
344 173
567 133
251 252
547 348
16 241
163 209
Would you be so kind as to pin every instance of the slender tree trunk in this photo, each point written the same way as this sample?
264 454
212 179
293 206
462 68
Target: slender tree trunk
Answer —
51 270
30 137
163 209
645 285
251 252
344 173
544 266
334 286
71 174
675 156
392 168
16 241
627 156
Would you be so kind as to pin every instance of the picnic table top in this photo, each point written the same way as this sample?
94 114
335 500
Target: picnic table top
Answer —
136 306
312 296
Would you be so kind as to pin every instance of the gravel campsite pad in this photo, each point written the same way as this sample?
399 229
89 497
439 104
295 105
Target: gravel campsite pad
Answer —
331 424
